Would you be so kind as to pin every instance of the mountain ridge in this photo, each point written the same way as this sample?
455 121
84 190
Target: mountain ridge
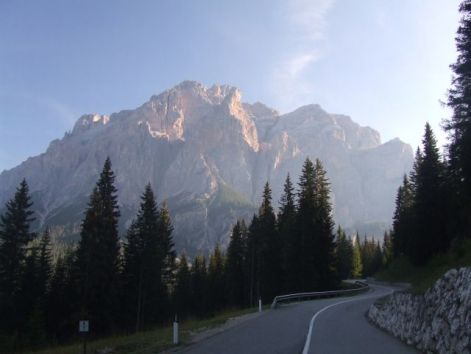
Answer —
191 141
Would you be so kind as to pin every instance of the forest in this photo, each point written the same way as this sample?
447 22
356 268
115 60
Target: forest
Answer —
138 282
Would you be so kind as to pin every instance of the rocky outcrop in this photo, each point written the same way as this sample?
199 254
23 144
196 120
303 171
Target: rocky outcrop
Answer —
438 321
209 154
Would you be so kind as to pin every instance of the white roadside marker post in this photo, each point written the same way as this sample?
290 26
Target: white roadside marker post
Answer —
175 331
260 304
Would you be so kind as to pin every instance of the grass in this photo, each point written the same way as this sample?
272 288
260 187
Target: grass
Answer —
422 278
147 342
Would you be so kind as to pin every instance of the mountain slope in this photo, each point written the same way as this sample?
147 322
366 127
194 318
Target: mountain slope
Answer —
208 154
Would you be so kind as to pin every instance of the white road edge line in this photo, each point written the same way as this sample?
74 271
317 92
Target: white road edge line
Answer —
313 319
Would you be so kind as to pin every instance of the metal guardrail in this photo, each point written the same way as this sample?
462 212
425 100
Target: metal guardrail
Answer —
320 294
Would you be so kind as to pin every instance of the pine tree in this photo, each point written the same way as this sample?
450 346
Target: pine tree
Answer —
252 261
429 235
61 298
269 259
459 126
288 236
182 295
235 269
305 269
199 286
216 280
28 294
156 241
344 254
15 235
167 246
357 264
402 231
388 251
98 255
44 265
325 258
144 263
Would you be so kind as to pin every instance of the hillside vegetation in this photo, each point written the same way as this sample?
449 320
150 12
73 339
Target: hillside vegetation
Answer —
423 277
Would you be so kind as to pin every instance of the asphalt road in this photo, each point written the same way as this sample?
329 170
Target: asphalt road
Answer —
339 327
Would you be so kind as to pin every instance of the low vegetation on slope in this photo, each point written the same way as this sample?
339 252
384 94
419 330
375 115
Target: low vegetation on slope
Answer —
423 277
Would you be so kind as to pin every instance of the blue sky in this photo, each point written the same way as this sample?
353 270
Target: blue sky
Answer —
384 63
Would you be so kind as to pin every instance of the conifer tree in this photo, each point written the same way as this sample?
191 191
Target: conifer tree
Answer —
288 236
98 255
199 286
269 265
251 266
325 256
15 235
429 236
144 263
344 254
357 264
44 265
28 294
167 245
235 269
305 269
61 298
388 251
402 231
216 280
182 295
459 126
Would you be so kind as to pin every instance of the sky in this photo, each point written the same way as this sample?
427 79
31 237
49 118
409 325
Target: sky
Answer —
384 63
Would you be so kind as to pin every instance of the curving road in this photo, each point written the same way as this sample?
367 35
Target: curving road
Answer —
324 326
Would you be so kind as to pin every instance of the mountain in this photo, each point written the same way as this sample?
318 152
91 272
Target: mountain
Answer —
208 154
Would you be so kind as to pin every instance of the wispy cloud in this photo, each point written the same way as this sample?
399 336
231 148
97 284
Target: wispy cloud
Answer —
304 21
59 111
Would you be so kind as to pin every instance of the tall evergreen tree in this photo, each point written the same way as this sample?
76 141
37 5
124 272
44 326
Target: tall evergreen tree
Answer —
61 297
15 235
199 286
388 251
98 255
269 265
357 264
429 235
182 295
288 236
44 265
459 126
305 267
167 245
216 280
326 261
402 231
144 263
344 254
251 266
235 265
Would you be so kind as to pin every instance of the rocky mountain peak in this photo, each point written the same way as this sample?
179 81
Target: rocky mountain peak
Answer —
209 154
89 121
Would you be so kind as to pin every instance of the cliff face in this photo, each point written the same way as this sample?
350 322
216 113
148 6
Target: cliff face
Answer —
208 154
437 322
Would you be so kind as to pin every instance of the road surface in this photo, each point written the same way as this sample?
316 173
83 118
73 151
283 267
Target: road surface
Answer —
336 325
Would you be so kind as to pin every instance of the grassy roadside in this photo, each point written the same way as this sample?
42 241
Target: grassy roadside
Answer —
147 342
422 278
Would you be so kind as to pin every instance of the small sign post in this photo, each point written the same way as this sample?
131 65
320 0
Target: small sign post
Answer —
84 328
175 331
